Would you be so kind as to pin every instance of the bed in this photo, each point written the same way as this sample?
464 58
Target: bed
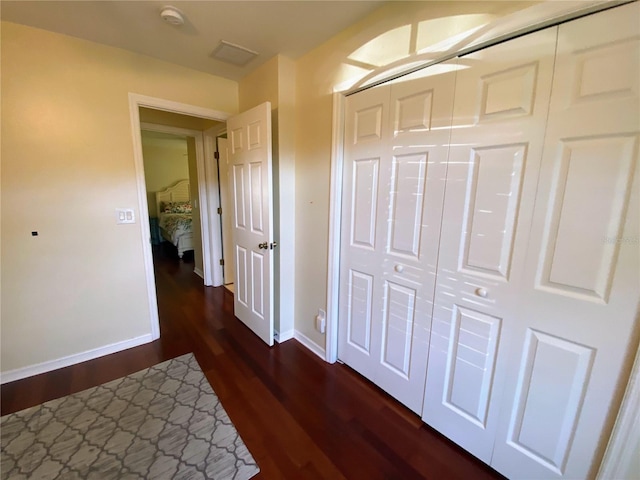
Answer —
174 216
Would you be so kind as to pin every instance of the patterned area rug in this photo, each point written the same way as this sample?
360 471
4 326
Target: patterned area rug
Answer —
161 423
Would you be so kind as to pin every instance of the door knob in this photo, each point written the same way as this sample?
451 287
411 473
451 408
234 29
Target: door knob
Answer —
273 245
482 292
399 268
263 245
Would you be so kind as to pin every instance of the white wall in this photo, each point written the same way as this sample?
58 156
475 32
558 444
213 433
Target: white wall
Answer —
67 164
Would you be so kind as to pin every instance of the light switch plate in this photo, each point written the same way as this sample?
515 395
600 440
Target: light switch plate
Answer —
125 215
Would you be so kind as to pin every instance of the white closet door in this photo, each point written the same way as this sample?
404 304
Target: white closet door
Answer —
365 149
579 305
500 112
395 164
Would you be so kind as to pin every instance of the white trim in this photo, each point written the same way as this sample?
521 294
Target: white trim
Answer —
284 336
310 344
335 218
177 107
199 272
621 458
143 215
207 228
211 172
24 372
135 102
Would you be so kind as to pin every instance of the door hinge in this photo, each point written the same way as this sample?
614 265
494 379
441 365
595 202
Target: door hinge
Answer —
216 155
219 210
222 262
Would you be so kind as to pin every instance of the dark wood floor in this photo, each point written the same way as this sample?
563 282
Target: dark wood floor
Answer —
300 417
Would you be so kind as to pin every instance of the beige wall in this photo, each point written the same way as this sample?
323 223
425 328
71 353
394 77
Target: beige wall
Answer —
165 162
260 86
67 164
286 185
378 36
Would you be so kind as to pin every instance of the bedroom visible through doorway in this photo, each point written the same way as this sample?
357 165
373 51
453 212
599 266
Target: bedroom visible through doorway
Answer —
170 178
178 171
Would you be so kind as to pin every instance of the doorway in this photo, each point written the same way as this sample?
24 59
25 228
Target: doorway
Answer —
210 203
170 173
209 124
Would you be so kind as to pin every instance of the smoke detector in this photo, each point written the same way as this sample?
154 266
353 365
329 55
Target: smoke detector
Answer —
172 16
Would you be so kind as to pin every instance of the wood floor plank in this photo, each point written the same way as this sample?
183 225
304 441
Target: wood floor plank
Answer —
300 417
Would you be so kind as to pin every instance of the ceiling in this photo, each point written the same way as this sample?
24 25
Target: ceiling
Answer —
290 28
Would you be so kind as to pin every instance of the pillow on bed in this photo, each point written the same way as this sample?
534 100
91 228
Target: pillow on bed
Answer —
177 207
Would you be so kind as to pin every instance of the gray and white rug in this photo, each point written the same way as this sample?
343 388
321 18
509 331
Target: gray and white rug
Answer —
164 422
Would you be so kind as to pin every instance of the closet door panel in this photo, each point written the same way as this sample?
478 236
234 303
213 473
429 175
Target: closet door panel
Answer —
364 200
363 236
491 209
581 283
408 178
420 119
397 329
395 166
501 101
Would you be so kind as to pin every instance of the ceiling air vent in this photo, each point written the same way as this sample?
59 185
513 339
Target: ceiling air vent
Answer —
235 54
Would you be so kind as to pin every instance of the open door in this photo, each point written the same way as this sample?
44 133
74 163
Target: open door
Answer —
226 202
249 161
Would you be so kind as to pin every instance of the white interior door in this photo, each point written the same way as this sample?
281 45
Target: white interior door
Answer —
250 169
226 205
501 103
578 309
395 163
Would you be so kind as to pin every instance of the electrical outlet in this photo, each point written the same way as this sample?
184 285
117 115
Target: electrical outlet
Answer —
321 321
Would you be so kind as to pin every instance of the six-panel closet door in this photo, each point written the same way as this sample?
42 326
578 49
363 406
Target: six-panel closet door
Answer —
396 140
500 112
510 209
578 305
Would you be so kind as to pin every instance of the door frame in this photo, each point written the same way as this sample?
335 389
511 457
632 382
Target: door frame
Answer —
208 181
619 455
229 261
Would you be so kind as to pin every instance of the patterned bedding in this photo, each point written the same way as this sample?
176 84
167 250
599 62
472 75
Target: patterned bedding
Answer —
175 225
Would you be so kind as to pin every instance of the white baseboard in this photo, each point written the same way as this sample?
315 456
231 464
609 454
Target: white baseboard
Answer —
284 336
199 272
24 372
310 344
